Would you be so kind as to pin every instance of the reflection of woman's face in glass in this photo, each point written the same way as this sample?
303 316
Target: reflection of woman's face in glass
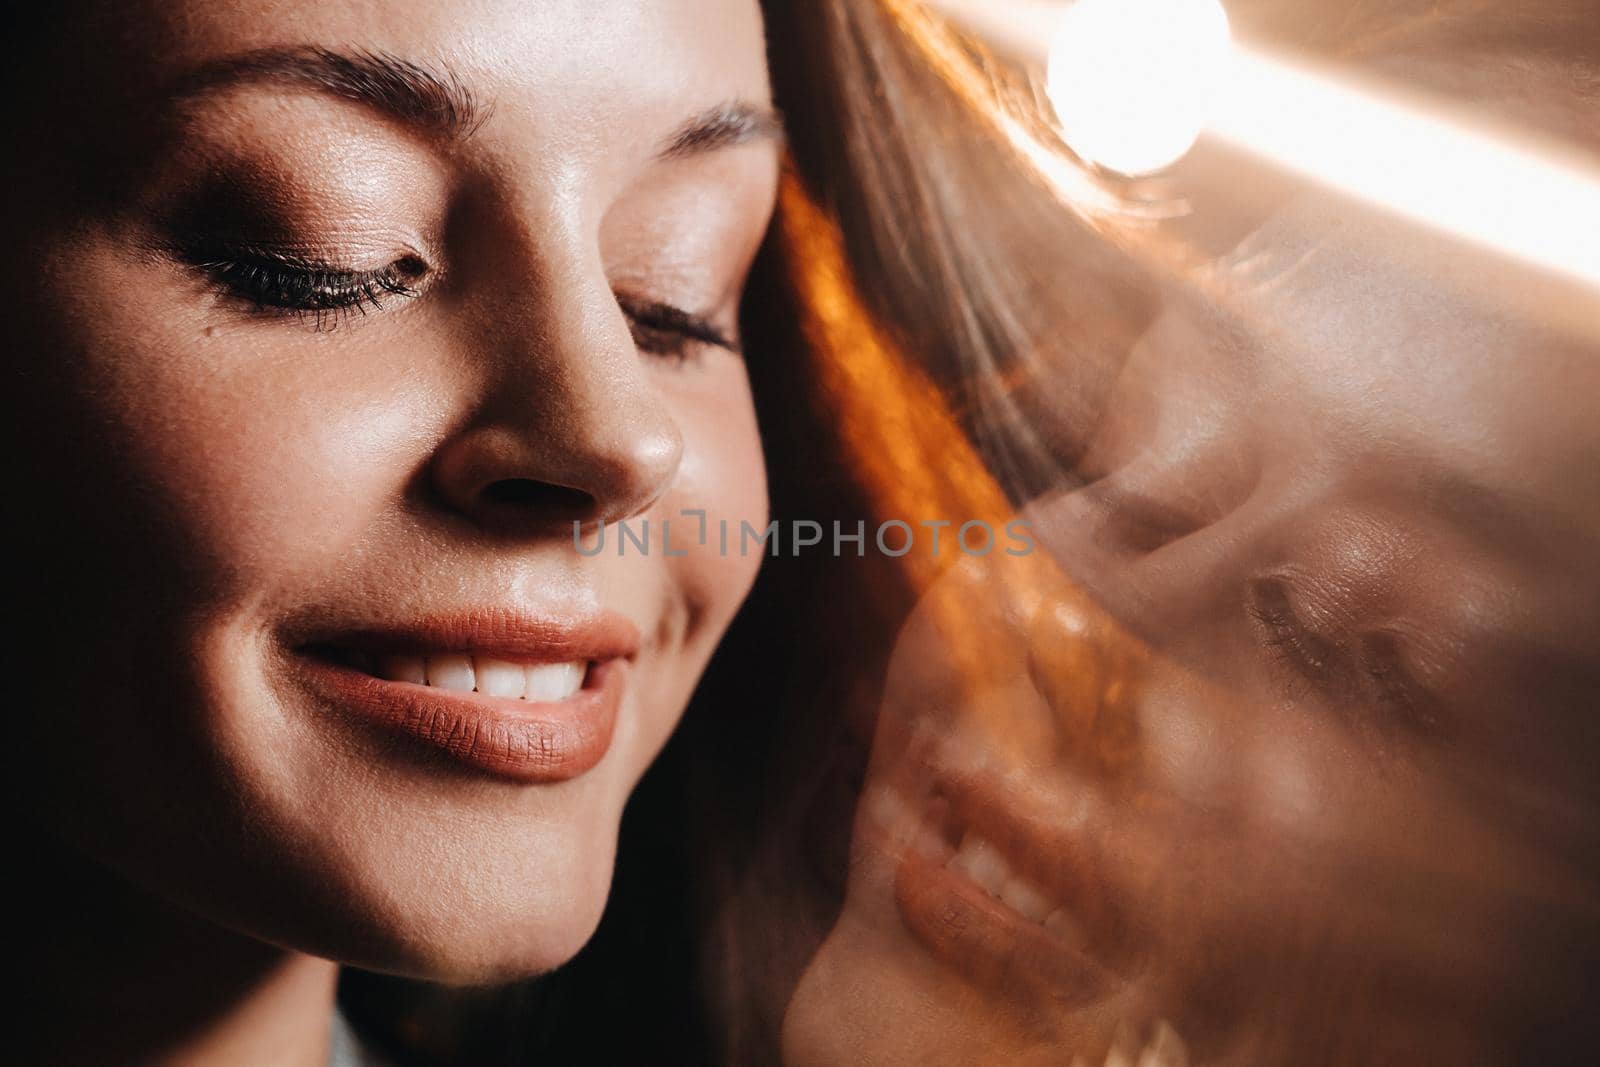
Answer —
1355 514
326 322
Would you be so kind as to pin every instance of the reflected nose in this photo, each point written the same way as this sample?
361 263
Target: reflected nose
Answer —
568 428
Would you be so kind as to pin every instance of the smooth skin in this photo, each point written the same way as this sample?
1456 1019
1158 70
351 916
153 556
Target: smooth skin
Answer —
195 479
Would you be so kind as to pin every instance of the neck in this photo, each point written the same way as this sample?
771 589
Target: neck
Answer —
118 976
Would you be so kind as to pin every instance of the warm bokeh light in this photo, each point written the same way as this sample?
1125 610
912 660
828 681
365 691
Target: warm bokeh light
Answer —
1133 81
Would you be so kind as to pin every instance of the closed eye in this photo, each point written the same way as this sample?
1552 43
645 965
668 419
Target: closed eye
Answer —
661 329
275 282
1310 656
270 281
1365 669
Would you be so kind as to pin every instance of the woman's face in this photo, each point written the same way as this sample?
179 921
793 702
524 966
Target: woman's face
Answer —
328 323
1350 814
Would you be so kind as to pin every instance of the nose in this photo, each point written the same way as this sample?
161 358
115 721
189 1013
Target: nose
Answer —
567 423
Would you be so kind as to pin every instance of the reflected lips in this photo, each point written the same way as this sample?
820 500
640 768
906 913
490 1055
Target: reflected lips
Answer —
1000 884
529 741
984 940
1035 953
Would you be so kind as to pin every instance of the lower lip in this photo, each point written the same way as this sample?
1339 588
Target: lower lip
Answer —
988 943
520 740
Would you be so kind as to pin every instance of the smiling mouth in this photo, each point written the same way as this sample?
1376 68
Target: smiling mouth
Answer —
529 701
1004 910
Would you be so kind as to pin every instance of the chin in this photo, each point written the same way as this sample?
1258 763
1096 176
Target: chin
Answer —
488 947
413 866
509 905
503 885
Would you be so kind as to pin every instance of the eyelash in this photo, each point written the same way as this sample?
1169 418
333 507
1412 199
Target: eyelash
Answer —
670 332
328 295
1286 637
1374 670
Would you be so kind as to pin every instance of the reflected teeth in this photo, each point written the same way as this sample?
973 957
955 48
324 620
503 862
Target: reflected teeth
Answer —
977 859
980 861
986 867
1026 899
547 682
1164 1049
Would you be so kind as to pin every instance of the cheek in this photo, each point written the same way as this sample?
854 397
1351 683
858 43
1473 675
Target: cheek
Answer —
724 475
234 456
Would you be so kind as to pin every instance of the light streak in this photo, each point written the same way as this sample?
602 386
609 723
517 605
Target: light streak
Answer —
1155 97
1465 182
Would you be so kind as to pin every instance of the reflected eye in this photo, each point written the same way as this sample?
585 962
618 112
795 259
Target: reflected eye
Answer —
1366 670
1384 662
1286 634
272 281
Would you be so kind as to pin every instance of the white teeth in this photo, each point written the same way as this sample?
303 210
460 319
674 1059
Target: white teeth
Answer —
404 669
461 673
497 678
979 860
451 672
1023 897
555 681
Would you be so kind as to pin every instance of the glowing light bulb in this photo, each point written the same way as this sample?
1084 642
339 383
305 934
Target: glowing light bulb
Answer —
1133 81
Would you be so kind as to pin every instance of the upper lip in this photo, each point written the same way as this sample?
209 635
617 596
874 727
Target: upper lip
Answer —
500 632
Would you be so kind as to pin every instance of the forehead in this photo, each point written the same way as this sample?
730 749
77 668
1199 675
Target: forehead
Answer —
569 70
1372 308
1398 334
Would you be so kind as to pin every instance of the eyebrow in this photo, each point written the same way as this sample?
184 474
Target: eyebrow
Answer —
439 101
724 126
412 93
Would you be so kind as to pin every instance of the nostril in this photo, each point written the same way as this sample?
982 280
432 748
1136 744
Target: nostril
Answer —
533 495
